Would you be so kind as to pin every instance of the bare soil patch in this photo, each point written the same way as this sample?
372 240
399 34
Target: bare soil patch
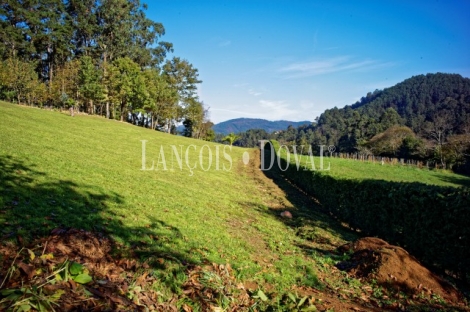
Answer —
394 268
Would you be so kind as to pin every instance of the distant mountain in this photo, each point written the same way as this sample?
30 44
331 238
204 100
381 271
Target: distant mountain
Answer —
244 124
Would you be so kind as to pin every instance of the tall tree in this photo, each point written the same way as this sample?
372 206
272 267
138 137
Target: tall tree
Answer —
129 85
66 85
124 30
182 77
53 40
438 129
82 16
91 89
161 98
193 118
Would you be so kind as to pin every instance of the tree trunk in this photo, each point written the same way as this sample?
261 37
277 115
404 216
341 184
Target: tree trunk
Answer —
156 122
51 73
122 112
106 87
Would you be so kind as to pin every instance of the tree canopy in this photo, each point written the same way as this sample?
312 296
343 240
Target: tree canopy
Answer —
101 57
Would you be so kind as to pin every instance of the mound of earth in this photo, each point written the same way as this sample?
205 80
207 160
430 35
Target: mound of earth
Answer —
393 267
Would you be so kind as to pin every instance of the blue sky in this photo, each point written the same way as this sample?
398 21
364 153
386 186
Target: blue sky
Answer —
294 59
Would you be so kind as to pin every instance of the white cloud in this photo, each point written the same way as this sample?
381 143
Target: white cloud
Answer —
225 43
330 65
239 113
266 109
307 105
275 110
254 93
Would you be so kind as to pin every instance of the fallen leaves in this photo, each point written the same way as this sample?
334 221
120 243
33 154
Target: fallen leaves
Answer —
55 266
27 269
75 270
208 284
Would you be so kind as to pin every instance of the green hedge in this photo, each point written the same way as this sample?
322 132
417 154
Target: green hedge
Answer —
431 222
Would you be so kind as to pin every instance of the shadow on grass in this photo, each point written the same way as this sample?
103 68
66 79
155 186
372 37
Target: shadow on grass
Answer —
32 205
308 214
457 179
312 214
320 232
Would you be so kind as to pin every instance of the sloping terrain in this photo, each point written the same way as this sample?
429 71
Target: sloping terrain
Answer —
87 224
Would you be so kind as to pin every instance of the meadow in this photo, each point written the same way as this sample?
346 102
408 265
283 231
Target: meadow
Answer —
344 168
189 202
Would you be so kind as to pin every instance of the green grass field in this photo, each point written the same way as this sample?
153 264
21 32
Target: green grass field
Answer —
355 169
86 172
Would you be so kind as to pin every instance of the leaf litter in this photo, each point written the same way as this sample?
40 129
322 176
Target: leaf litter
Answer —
76 270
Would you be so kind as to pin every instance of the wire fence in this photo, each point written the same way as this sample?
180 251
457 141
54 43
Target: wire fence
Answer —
382 160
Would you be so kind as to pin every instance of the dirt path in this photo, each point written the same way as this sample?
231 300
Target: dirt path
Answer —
280 195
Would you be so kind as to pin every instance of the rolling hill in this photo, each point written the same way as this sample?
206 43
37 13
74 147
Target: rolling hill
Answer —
425 117
420 103
243 124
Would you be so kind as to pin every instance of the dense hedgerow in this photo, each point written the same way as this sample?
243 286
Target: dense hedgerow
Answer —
431 222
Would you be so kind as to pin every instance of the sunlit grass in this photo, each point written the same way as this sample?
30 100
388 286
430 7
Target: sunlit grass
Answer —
357 169
86 172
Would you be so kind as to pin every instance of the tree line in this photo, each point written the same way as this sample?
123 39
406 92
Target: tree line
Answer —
99 57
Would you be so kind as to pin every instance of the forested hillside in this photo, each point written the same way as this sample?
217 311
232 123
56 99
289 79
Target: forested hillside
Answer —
425 117
424 103
98 57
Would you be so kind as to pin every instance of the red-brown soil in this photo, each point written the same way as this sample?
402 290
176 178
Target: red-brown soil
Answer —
393 267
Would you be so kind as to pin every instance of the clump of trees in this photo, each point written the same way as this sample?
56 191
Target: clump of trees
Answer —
100 57
397 141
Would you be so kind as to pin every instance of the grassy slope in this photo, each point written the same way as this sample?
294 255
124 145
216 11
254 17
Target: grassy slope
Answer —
85 172
354 169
